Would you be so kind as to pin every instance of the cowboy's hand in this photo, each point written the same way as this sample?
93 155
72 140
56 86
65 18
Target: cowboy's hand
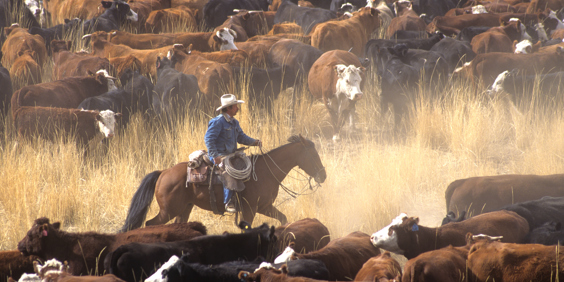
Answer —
258 143
217 160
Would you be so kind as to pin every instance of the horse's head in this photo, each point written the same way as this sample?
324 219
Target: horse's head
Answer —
309 161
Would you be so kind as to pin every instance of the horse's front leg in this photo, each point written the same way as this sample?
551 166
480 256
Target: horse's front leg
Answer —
273 212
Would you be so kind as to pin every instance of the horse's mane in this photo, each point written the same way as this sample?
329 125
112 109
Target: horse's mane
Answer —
293 139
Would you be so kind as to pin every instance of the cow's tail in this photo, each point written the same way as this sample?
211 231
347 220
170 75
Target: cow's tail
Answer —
450 190
141 201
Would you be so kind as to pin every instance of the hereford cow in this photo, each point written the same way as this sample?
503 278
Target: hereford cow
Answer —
86 250
344 256
335 78
350 34
217 11
406 19
52 123
307 18
495 261
381 268
306 235
64 93
14 264
488 193
135 260
498 39
18 39
162 20
411 239
67 63
228 271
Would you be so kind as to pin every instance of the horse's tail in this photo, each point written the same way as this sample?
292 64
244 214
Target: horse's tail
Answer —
141 201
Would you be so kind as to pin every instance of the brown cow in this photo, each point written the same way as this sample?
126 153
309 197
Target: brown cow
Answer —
452 25
381 268
84 250
104 49
273 275
68 64
18 39
144 7
64 93
306 235
495 261
55 271
52 123
25 70
488 193
160 20
213 78
120 64
142 41
346 34
498 39
286 28
406 19
335 78
14 264
486 67
442 265
293 53
410 239
231 57
248 24
257 50
343 257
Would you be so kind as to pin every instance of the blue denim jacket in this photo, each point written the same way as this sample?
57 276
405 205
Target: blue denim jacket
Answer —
222 136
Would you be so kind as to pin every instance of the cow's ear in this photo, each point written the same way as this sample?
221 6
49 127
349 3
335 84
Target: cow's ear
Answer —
117 115
243 275
107 4
469 240
217 39
234 33
340 69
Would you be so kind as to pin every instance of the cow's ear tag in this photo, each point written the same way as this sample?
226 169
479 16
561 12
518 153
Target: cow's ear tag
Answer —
415 227
44 233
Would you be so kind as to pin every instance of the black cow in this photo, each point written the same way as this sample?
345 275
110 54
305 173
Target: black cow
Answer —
422 43
538 212
227 272
217 11
116 13
550 233
433 8
114 100
521 87
132 261
6 89
400 69
140 91
10 8
455 52
289 11
57 32
265 84
467 33
451 217
410 34
176 91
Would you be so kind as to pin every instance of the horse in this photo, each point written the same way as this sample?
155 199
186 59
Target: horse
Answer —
176 199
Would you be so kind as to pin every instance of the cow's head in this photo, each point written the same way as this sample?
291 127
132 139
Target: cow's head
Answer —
497 86
123 10
520 29
103 77
386 239
107 122
348 81
479 9
523 47
225 37
285 256
36 239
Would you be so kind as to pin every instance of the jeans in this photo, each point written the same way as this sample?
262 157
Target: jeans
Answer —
227 194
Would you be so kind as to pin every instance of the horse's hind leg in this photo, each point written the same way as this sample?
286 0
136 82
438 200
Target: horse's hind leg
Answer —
185 214
161 218
273 212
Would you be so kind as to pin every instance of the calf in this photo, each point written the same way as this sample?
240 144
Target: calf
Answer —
410 239
50 123
550 233
350 34
305 17
491 260
64 93
177 91
67 63
344 256
380 268
228 271
88 249
134 260
335 78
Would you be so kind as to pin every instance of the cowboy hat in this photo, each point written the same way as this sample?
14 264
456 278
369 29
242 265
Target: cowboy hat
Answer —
228 100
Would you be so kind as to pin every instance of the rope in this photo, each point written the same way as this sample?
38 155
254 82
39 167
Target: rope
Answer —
235 173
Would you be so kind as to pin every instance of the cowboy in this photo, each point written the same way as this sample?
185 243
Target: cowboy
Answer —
222 137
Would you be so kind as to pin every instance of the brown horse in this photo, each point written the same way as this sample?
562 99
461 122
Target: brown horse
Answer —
177 200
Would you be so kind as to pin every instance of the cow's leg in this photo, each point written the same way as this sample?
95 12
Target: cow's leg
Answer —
185 214
273 212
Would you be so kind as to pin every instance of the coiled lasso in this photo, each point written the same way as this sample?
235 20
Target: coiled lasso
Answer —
236 173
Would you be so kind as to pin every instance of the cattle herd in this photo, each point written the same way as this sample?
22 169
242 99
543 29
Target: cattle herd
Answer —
498 228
